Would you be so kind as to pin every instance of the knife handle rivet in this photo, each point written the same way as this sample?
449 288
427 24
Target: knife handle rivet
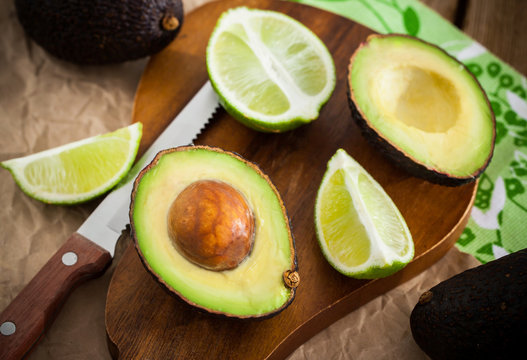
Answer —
7 328
69 258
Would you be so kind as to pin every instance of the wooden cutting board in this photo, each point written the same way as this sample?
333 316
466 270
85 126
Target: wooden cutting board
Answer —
145 322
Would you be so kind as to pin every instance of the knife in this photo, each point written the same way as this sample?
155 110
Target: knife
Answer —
89 251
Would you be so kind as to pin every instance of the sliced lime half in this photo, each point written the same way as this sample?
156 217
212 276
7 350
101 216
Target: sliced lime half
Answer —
270 71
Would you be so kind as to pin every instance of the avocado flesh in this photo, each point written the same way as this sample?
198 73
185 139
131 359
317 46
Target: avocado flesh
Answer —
424 103
253 288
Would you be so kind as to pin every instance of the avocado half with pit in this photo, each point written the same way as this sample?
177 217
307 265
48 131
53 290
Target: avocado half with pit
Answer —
212 228
422 108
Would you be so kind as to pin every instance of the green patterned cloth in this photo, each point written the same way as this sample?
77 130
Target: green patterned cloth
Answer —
499 217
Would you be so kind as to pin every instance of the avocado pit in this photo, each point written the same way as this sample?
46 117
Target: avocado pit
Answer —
212 225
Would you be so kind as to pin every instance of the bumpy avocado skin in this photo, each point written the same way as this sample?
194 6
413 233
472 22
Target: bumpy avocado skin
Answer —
99 31
480 313
399 157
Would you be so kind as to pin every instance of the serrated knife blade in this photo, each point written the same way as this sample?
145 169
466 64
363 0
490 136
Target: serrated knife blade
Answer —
183 130
88 252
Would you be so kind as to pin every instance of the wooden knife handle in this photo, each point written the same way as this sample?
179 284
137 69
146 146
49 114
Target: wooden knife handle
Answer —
34 309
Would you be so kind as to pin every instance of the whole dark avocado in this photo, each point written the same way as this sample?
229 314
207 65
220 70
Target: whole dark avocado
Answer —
480 313
100 31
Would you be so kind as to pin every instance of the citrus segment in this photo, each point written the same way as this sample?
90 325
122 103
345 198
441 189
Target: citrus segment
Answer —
384 215
78 171
360 231
342 222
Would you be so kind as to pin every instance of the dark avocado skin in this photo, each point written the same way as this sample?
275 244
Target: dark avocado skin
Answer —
98 32
399 157
480 313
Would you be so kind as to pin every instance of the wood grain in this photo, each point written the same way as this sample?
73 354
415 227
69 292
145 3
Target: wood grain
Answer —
143 321
446 8
502 27
499 25
35 307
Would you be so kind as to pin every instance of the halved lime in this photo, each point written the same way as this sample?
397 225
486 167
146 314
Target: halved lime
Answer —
360 231
270 71
78 171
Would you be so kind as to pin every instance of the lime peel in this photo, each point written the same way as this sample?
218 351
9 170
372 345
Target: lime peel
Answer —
79 171
360 231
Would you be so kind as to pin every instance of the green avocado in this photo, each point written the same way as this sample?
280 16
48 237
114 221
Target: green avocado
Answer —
480 313
212 228
100 31
422 108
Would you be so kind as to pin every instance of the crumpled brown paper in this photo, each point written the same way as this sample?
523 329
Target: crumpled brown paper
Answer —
45 102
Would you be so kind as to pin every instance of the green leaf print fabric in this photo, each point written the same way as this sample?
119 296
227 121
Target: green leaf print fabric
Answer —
498 221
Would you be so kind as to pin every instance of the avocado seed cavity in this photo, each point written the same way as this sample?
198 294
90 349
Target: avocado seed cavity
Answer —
211 225
419 98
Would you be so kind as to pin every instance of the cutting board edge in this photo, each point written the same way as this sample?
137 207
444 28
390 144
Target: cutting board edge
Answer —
344 306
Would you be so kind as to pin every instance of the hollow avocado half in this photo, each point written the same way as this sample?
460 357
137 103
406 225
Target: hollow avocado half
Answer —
422 108
212 228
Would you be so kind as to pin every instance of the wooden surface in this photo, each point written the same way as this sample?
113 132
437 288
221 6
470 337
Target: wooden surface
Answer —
36 306
143 321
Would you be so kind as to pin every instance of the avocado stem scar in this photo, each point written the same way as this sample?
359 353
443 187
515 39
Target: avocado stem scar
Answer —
170 22
425 297
291 278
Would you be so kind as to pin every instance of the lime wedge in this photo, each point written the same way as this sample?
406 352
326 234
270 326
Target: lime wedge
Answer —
360 231
270 71
78 171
